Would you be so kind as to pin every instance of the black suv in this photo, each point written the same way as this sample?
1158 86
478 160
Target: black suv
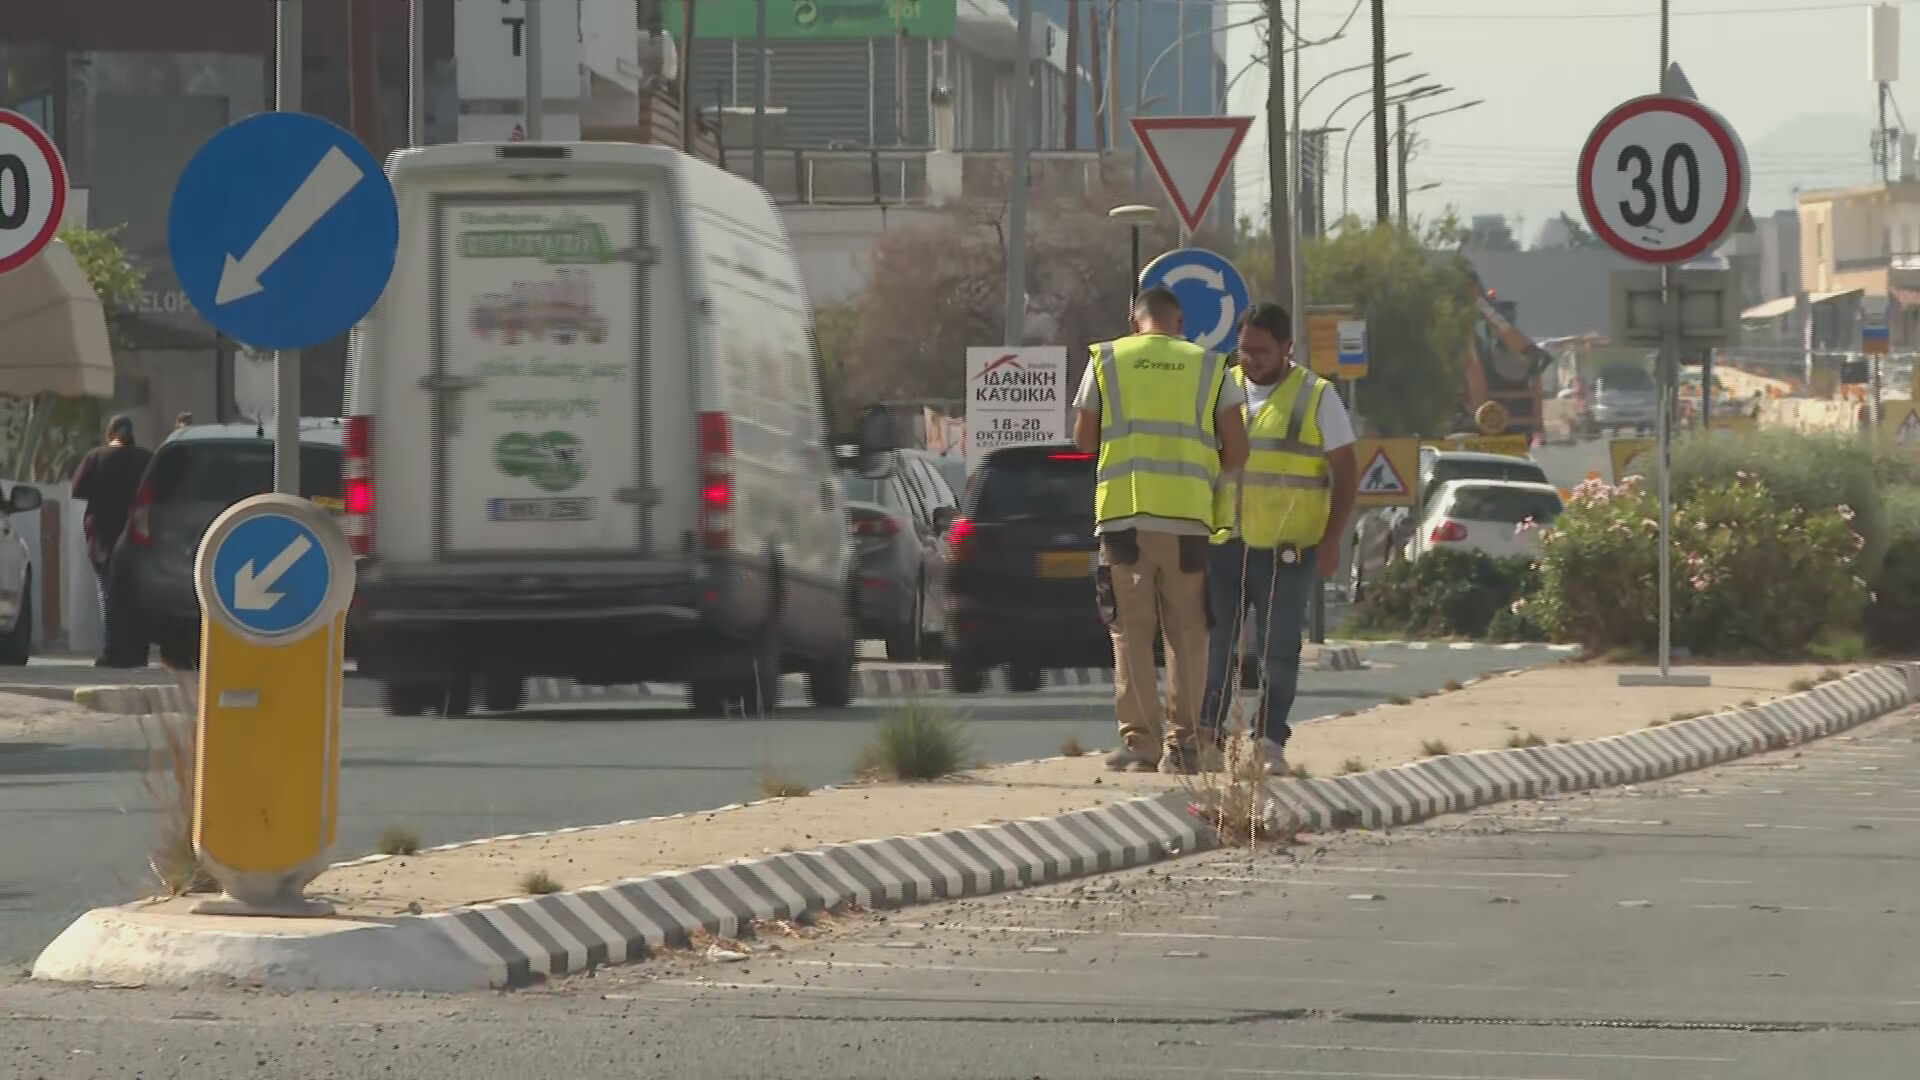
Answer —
1020 570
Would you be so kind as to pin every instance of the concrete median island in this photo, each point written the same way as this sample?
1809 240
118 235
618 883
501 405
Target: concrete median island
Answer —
451 918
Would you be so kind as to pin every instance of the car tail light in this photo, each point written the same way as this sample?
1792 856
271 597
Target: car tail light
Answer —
716 481
140 516
356 483
1448 532
958 536
877 528
1069 455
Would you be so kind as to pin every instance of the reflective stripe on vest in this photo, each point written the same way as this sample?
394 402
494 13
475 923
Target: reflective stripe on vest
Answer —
1283 495
1156 457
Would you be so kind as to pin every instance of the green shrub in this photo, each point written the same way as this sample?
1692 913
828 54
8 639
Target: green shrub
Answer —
1751 577
1811 471
1444 593
920 742
1892 621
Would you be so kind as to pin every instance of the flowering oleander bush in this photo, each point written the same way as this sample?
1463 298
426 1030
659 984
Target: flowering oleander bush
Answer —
1892 620
1811 471
1447 593
1753 575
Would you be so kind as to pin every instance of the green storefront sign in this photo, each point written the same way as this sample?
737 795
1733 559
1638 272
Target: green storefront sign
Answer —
788 19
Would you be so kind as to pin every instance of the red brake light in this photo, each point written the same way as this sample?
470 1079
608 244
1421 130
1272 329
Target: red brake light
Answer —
716 480
1448 532
876 527
140 517
356 483
958 534
1069 455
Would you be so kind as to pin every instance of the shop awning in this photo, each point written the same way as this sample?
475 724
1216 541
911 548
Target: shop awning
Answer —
1777 308
53 331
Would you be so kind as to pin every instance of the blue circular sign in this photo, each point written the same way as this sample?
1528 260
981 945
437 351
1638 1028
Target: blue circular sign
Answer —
283 230
1212 295
271 574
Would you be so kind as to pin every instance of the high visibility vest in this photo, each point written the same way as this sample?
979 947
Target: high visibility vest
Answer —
1284 494
1158 451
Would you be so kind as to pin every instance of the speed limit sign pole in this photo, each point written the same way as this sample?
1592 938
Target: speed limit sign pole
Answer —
1662 178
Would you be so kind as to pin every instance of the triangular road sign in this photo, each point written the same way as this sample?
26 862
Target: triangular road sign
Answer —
1909 429
1380 477
1191 155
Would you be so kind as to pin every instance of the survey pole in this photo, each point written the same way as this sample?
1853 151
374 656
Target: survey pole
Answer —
286 362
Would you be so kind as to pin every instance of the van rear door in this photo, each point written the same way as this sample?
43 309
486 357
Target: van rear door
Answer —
540 373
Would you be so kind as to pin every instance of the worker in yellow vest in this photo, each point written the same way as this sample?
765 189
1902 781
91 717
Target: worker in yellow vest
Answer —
1165 421
1278 526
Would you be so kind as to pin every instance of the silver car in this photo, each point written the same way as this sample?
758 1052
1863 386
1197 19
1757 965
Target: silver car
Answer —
1622 397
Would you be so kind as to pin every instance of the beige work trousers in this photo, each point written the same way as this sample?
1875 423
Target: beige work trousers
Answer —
1145 587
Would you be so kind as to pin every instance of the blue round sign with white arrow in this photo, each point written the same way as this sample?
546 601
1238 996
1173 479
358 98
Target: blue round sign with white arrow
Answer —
1212 295
271 574
283 230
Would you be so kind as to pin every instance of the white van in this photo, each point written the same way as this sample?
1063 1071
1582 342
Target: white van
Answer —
587 438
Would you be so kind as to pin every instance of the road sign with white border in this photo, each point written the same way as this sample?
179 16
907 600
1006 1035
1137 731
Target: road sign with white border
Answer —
1351 359
1212 295
1900 426
283 230
1015 397
1662 178
273 568
1191 155
1389 469
33 190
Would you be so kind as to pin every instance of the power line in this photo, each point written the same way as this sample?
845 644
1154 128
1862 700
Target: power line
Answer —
1594 16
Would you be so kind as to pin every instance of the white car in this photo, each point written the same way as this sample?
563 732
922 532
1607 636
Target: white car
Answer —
1486 515
16 578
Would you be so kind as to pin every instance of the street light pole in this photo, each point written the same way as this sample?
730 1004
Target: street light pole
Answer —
1346 154
1380 110
1015 333
287 69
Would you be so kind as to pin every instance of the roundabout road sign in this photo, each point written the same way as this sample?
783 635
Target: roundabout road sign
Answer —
33 190
1212 295
1662 178
274 568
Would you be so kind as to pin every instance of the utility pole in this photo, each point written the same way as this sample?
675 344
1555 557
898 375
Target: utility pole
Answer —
1380 174
1279 217
1097 72
363 76
899 76
1016 322
536 77
686 76
1111 95
1401 122
1180 57
1139 82
416 73
760 67
1073 74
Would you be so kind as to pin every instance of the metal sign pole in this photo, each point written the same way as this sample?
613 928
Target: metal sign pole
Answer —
286 362
536 106
1668 367
416 73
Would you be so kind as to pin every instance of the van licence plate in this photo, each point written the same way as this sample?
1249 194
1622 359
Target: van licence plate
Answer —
1066 564
539 509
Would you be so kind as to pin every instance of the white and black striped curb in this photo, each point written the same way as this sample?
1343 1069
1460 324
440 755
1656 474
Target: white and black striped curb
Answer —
1469 646
1458 782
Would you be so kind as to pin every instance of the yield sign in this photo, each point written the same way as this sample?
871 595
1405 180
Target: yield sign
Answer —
1191 155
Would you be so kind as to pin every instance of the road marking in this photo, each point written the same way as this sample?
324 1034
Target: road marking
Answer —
1447 873
1454 1051
1330 884
1227 1071
1715 881
1761 906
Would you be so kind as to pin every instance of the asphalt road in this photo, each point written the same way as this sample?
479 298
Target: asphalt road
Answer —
78 818
1751 922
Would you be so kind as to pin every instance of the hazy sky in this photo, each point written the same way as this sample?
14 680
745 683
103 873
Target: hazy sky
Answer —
1791 75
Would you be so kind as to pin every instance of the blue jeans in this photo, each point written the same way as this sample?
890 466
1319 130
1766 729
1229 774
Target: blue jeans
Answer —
1239 577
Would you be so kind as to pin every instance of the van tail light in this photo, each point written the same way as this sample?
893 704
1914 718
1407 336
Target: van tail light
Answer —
877 528
356 483
1448 532
716 481
959 536
140 517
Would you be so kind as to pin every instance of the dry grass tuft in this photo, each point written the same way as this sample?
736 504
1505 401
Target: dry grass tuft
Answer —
172 763
1452 685
1352 765
1072 748
399 840
1435 748
775 785
538 883
1525 742
921 741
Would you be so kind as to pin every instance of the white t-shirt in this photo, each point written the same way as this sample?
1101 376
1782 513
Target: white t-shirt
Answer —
1088 400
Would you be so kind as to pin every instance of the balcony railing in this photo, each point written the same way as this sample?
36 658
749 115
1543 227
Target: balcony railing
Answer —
897 176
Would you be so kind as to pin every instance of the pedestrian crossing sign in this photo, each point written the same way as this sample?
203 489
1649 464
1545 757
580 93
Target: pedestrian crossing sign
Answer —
1387 471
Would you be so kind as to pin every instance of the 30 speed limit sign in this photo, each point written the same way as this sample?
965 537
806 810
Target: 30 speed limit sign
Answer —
1662 179
33 190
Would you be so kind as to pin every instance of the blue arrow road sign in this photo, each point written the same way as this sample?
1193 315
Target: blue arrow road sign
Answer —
283 230
271 574
1212 294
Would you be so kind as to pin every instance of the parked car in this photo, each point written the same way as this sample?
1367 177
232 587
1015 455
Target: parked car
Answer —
1437 467
1020 576
1486 515
899 505
660 505
195 475
16 578
1622 397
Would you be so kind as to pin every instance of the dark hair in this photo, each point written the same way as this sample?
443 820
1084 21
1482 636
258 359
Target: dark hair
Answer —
1158 304
1271 317
120 427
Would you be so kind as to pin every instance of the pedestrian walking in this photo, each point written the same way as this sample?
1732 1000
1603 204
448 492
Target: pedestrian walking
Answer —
1280 523
184 420
1165 421
106 481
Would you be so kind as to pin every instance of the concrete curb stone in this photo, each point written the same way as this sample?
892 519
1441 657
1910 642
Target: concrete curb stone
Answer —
519 941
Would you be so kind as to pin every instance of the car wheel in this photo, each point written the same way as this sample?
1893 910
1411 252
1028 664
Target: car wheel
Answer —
408 699
830 685
964 678
709 697
16 648
504 693
1024 678
180 654
456 698
760 688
